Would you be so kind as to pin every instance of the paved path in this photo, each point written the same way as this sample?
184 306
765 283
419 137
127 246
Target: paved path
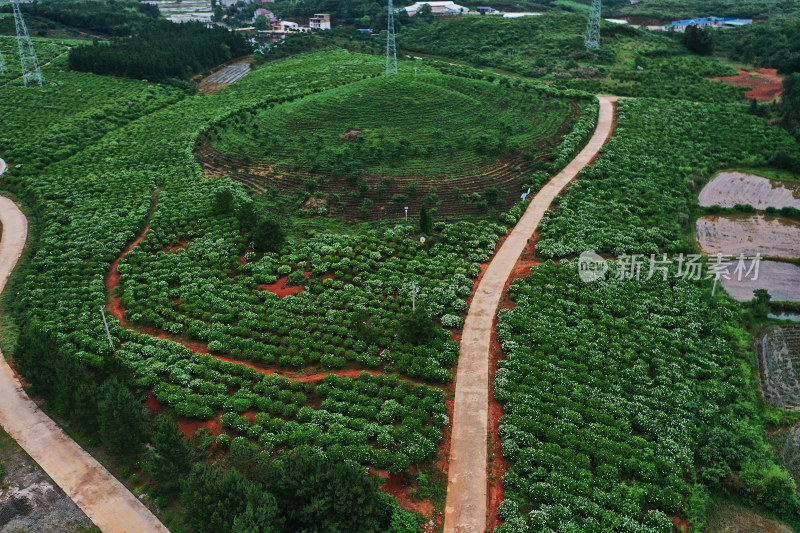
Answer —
105 500
465 511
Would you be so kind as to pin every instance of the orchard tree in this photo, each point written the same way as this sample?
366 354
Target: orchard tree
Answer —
416 327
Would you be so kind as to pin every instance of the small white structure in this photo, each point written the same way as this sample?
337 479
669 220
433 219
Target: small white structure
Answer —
518 15
438 8
618 21
229 3
320 21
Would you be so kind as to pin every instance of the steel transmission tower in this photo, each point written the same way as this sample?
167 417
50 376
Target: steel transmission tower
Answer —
27 55
391 47
592 37
3 66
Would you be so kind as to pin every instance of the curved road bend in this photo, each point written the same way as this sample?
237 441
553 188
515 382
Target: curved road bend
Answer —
465 511
100 496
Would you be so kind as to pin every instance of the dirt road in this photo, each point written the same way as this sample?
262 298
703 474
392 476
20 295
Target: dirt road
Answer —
105 500
465 511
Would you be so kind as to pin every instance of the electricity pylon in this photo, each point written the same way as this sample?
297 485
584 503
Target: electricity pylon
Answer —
391 46
3 66
592 37
27 55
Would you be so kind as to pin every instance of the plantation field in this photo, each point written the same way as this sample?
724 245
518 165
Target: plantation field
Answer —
405 140
630 61
189 303
627 404
42 125
637 197
618 395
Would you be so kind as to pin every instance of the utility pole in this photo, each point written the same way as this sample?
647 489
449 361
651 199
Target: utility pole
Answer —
27 55
391 46
105 322
414 292
592 37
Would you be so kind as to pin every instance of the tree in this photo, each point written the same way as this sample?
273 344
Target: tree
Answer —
171 457
760 303
424 15
425 221
364 328
122 418
416 327
317 493
62 381
246 214
228 503
223 201
698 40
261 23
268 236
789 105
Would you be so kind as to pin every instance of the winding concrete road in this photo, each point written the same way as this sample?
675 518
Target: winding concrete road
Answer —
465 511
105 500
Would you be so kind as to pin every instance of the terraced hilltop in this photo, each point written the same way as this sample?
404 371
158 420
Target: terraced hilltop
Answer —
404 140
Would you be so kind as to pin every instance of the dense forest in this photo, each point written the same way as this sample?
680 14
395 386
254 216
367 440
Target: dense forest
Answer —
773 44
790 105
113 18
161 52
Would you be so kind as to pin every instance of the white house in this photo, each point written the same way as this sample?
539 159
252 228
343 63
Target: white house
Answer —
438 8
320 21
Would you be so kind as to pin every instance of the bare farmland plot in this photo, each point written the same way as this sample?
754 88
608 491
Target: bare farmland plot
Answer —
730 188
749 234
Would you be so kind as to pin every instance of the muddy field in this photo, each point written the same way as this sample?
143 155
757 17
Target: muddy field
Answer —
749 234
730 188
30 501
782 280
765 84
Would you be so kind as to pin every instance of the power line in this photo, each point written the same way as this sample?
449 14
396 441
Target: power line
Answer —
391 46
592 37
27 55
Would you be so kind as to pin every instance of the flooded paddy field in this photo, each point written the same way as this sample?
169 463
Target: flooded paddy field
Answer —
782 280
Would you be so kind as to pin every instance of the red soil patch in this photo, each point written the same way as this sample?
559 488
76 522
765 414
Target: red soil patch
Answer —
187 426
280 288
395 486
680 524
765 84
